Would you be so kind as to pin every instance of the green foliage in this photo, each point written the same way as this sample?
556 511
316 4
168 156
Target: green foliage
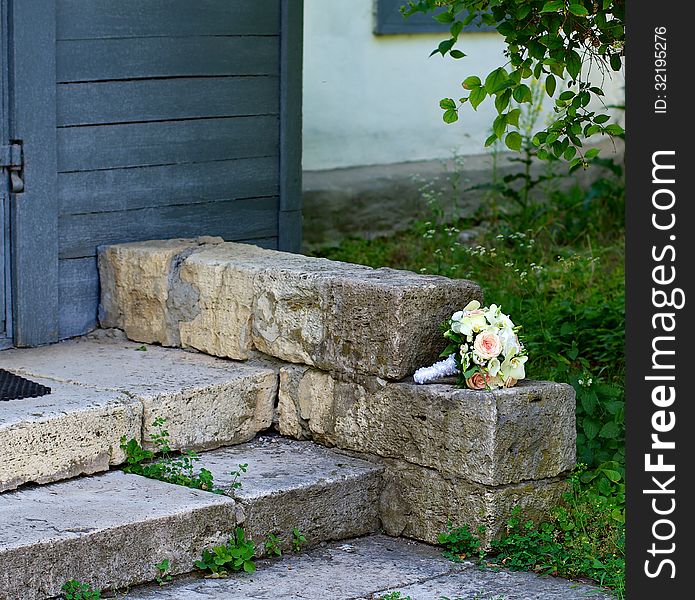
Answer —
178 469
74 590
394 596
272 545
298 540
558 42
459 543
584 537
236 476
163 572
237 555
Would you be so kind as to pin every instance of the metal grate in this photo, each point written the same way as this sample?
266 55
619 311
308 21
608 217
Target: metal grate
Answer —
14 387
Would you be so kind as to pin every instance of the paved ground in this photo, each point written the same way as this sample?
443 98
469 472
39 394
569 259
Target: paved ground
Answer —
368 568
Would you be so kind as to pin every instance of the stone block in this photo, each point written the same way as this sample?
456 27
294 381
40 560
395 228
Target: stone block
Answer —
488 437
323 493
72 431
109 530
418 502
140 289
207 402
227 299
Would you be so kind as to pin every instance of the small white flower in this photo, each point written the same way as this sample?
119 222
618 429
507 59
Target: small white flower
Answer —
476 358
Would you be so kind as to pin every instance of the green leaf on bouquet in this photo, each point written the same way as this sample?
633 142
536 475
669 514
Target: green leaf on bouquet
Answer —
450 349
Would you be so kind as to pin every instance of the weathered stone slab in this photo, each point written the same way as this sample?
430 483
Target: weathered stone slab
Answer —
288 484
496 584
418 502
332 315
369 568
109 530
71 431
207 402
359 568
488 437
135 282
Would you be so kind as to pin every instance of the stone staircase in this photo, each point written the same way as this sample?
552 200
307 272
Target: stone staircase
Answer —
111 529
298 367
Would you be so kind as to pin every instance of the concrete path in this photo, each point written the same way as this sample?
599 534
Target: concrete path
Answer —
366 569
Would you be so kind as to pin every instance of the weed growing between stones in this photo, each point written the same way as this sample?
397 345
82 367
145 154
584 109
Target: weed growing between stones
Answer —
298 540
272 545
75 590
459 543
236 555
163 572
236 477
394 596
178 469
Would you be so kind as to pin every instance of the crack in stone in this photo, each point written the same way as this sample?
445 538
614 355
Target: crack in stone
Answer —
456 569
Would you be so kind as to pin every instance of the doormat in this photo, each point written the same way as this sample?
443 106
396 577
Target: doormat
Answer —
14 387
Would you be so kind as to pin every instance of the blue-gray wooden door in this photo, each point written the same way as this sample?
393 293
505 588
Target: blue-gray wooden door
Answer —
156 119
5 316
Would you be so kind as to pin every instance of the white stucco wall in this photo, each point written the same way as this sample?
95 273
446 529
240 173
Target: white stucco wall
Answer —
372 100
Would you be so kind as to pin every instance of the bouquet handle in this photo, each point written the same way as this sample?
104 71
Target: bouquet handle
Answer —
443 368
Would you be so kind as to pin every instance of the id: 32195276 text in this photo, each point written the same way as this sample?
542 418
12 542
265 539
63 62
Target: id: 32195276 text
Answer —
660 70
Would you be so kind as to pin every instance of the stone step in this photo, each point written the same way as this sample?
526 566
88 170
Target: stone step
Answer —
367 569
227 299
324 493
105 387
451 455
110 530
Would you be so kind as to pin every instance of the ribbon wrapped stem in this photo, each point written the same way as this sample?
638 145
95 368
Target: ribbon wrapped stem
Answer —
443 368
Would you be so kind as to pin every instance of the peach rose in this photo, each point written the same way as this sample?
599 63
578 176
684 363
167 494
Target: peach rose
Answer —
488 345
477 381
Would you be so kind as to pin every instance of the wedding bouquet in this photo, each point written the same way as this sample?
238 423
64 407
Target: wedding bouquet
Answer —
484 350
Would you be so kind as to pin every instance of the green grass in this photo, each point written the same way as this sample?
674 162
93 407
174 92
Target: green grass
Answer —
557 268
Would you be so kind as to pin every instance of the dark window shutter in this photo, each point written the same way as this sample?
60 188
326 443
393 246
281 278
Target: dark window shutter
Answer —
390 21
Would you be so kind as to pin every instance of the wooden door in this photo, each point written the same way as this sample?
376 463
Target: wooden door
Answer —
5 304
146 119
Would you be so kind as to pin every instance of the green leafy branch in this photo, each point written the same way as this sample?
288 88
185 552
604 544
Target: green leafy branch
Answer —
554 41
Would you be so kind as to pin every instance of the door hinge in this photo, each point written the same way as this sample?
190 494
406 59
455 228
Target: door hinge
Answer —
12 159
